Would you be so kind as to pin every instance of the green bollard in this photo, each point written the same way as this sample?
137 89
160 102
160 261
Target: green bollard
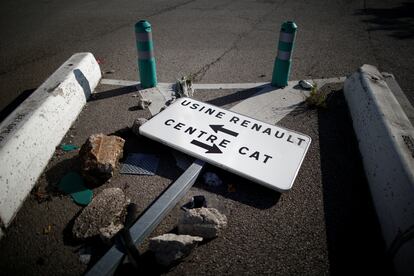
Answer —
281 69
146 59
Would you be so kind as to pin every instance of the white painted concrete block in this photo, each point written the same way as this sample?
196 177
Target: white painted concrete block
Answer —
273 104
28 136
386 142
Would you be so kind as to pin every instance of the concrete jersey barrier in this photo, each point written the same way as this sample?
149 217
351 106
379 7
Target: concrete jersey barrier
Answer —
30 134
386 142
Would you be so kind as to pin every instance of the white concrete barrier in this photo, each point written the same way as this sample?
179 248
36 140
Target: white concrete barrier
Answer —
29 135
386 142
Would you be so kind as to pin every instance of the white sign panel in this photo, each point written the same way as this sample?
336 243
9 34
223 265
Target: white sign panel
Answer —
261 152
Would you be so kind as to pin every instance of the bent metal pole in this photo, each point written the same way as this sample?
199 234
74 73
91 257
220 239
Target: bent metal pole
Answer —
146 59
281 69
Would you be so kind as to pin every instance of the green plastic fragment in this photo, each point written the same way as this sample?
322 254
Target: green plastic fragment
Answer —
72 183
68 147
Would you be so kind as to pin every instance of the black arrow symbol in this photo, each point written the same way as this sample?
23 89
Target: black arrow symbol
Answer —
221 128
210 149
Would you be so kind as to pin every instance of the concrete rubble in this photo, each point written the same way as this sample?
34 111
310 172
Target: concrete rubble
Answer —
212 179
202 222
137 124
99 156
171 248
104 216
184 88
143 103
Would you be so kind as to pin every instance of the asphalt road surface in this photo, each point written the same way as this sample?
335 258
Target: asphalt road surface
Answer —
325 225
220 41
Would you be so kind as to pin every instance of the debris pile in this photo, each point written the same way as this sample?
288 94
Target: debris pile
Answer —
104 216
99 156
171 248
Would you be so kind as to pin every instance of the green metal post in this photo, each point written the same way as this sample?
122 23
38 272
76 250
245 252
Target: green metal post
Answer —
146 59
281 69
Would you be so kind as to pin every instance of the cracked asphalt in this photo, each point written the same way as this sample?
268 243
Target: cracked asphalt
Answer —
325 225
206 38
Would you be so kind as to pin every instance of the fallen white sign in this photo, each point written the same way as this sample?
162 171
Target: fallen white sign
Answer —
261 152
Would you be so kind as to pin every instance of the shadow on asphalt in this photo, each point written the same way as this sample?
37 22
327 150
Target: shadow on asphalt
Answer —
113 93
240 95
398 20
354 238
15 103
56 172
240 189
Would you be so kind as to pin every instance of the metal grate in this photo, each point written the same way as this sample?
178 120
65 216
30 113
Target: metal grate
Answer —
140 163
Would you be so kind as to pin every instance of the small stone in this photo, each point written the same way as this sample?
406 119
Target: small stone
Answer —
110 71
305 84
197 201
85 254
202 222
212 180
85 258
143 103
103 216
137 124
99 156
171 248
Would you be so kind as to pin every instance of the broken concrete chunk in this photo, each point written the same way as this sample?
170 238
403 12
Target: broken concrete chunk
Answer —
202 222
103 216
170 248
212 180
99 156
143 103
108 232
137 124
